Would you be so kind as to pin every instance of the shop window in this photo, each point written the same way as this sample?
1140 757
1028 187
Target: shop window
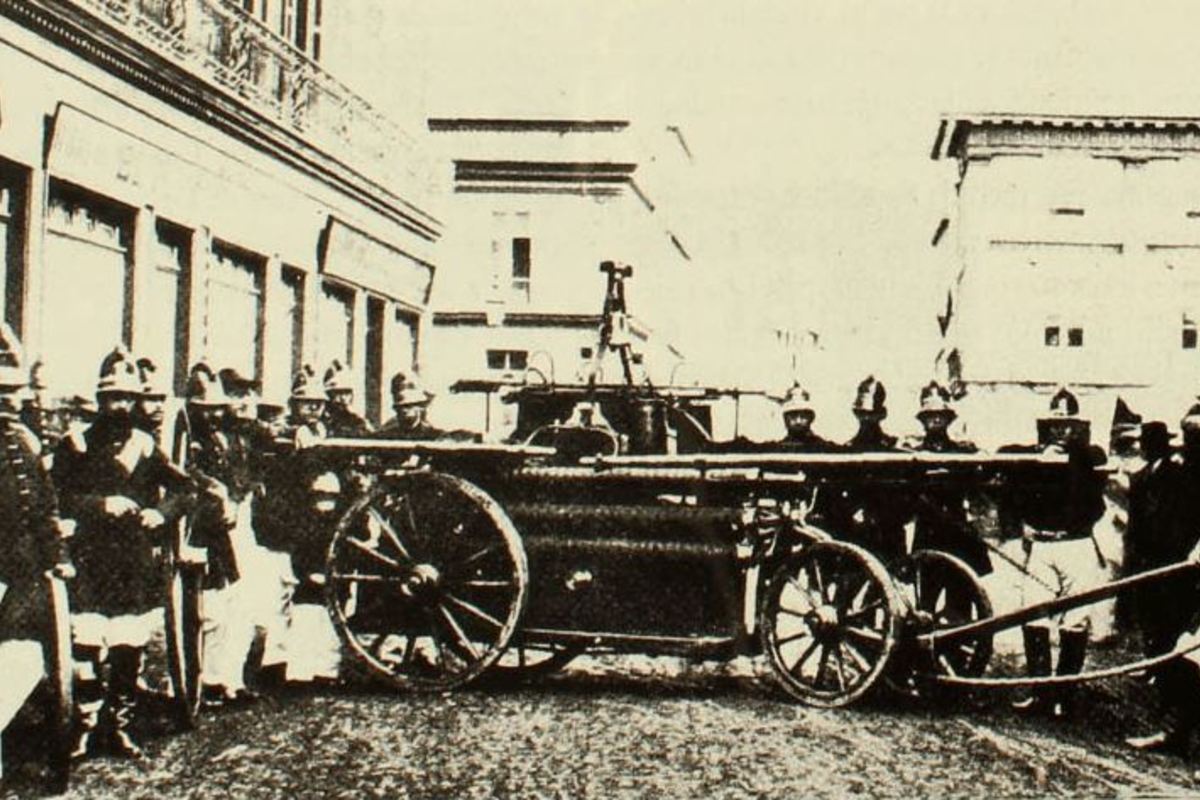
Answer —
235 310
293 288
164 309
86 286
12 239
335 326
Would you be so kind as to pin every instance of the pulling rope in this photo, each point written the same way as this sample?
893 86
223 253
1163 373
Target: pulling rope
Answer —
1066 680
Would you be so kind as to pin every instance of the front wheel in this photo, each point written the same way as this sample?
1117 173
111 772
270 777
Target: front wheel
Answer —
829 621
426 580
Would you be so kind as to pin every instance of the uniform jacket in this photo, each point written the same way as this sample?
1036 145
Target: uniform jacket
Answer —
871 515
30 543
116 558
1065 509
940 512
341 422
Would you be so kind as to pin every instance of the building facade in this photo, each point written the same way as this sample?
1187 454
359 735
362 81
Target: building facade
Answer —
179 176
1073 252
533 208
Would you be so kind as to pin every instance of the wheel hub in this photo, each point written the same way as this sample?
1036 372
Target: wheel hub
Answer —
423 583
824 622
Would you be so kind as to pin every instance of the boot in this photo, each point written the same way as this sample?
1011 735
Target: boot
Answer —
124 664
1072 651
89 698
1037 664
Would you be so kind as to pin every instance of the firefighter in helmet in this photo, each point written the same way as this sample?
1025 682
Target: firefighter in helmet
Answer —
340 418
123 494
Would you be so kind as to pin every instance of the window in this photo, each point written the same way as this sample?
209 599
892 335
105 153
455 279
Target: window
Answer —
1189 337
234 310
1052 334
12 228
507 359
163 311
1067 212
335 321
86 286
293 288
1074 337
521 252
585 352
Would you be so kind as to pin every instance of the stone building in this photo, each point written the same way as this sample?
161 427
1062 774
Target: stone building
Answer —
183 176
533 206
1073 251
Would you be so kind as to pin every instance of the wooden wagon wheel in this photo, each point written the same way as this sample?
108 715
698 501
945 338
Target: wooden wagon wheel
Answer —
426 580
946 593
60 672
829 621
184 612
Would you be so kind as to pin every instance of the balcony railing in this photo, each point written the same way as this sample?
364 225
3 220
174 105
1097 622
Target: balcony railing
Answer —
218 42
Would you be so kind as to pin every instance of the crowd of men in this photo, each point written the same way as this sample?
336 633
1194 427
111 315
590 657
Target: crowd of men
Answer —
102 506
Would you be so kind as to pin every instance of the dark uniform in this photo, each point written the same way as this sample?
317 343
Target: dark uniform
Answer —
940 512
1164 509
30 542
109 478
872 516
340 420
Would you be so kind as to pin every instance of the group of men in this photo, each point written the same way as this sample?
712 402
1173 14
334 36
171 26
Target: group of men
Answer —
103 507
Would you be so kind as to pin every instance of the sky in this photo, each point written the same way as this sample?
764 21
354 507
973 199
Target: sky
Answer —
813 198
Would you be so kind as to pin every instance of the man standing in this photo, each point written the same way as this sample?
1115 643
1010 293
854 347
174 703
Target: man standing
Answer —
1054 525
31 540
151 406
123 494
340 418
307 406
1164 508
873 517
941 521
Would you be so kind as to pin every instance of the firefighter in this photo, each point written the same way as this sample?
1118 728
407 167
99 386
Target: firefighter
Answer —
123 494
872 517
307 406
411 403
266 583
941 521
31 533
340 419
1164 507
151 405
798 416
1054 528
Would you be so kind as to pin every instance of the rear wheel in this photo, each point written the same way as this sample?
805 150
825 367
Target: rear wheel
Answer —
829 621
947 593
426 580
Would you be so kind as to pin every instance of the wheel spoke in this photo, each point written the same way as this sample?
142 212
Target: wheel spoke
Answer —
857 657
864 635
840 667
387 528
364 577
459 634
858 613
484 584
473 610
378 556
821 666
797 668
804 634
491 548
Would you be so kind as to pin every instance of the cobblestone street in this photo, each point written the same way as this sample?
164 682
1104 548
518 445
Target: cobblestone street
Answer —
640 728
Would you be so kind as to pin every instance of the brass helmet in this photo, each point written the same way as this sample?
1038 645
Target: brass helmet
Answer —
797 401
935 399
119 374
305 386
203 388
338 378
407 392
148 375
871 397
